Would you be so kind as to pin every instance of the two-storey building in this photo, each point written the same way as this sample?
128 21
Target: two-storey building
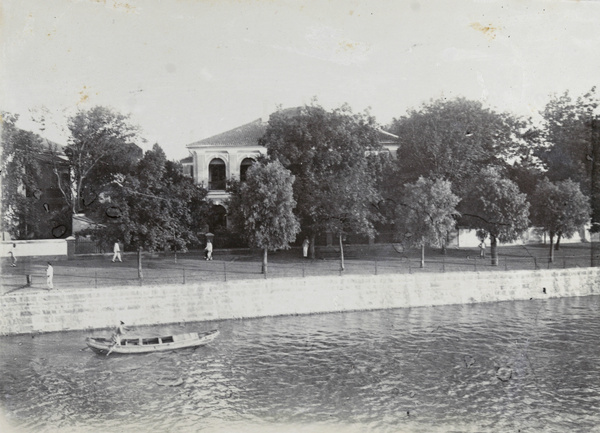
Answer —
228 155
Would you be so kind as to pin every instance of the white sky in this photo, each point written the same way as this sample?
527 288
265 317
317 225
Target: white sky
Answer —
186 70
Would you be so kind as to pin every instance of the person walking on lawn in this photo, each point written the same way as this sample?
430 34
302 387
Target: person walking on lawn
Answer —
209 250
49 276
13 255
117 252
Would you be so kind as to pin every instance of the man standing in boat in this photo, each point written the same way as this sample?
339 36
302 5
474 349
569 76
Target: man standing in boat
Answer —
116 337
121 329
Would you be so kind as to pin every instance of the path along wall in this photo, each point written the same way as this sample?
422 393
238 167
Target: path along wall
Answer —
41 311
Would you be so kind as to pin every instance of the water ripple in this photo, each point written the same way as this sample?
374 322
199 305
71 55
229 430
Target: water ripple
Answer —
529 366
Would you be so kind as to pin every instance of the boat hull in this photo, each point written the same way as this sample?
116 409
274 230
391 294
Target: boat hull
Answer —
138 345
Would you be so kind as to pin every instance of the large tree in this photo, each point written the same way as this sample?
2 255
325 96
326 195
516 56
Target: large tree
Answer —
154 207
263 205
101 146
21 170
426 213
31 202
571 149
560 208
453 139
327 152
494 205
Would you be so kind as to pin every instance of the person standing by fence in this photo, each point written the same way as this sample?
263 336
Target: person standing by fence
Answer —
482 249
117 252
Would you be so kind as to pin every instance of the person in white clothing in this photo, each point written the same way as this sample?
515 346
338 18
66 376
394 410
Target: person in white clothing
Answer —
117 252
13 255
305 246
49 276
208 250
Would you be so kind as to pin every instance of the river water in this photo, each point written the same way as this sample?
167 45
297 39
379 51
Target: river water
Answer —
502 367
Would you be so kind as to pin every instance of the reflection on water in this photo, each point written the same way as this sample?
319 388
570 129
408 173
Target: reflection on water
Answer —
512 366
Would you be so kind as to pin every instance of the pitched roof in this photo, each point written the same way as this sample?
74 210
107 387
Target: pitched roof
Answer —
245 135
250 133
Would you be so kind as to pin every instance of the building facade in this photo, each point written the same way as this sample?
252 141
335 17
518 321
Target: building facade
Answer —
228 155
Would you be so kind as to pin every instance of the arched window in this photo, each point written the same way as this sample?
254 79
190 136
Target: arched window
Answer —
217 218
246 163
216 175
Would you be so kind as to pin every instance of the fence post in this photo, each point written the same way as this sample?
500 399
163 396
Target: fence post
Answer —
475 262
303 269
409 268
95 279
225 270
535 263
505 264
139 257
443 263
183 275
375 267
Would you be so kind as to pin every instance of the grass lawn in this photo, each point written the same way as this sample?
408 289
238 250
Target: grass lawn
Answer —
186 268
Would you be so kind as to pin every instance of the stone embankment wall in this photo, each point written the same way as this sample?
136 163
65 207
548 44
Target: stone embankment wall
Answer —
50 248
28 312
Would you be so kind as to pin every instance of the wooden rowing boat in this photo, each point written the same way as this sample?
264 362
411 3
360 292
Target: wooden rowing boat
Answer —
132 345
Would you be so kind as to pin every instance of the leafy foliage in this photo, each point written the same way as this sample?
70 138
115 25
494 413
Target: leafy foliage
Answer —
495 206
572 143
567 135
560 208
29 207
327 154
453 139
263 205
154 207
427 212
266 205
101 146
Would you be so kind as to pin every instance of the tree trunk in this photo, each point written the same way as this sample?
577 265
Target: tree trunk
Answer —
140 273
423 253
551 249
341 253
311 247
264 262
557 246
494 249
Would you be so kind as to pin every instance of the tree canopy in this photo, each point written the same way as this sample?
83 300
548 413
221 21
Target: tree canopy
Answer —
454 139
21 178
426 213
327 154
495 205
101 146
154 207
560 208
571 148
265 204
